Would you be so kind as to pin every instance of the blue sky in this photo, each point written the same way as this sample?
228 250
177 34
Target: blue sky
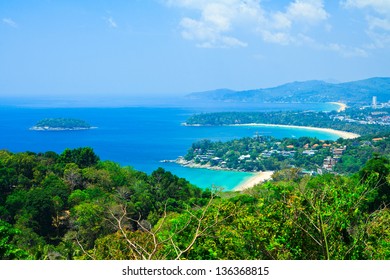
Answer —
141 47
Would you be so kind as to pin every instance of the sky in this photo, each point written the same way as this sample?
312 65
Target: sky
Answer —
150 47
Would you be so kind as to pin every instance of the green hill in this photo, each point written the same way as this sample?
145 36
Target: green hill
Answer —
61 124
359 92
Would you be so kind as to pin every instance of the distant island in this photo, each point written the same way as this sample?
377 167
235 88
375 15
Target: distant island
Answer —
60 124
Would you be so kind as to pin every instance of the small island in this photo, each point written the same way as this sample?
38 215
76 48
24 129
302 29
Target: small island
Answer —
60 124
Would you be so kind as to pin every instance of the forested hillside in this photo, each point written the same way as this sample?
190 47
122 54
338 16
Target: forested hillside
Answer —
74 206
59 206
261 153
351 120
358 92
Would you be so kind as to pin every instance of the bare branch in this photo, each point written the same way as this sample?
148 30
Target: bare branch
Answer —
82 248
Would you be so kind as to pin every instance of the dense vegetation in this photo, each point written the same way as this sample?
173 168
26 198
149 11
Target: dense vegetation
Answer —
262 153
61 124
74 206
56 206
332 120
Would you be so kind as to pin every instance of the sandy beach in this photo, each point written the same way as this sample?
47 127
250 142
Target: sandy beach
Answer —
254 180
342 106
342 134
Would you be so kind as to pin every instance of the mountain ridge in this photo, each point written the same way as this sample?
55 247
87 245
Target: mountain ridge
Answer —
360 92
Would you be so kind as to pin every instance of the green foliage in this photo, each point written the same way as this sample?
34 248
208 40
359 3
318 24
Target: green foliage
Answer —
267 153
375 173
378 236
8 251
83 157
62 123
61 207
307 118
320 218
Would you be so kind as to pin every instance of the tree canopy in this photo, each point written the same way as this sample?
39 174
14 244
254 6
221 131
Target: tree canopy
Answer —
74 206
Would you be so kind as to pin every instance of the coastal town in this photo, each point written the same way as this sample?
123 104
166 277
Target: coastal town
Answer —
275 154
310 155
375 113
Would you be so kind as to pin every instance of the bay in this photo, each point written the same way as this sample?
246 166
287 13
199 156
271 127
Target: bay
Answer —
141 137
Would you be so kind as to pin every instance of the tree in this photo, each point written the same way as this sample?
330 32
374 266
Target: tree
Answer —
291 174
83 157
73 176
377 244
375 173
9 251
145 242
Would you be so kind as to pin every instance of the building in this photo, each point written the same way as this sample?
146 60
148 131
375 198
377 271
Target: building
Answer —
309 152
374 102
329 163
338 151
242 157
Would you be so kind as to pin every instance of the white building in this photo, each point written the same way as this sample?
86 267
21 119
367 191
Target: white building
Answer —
374 102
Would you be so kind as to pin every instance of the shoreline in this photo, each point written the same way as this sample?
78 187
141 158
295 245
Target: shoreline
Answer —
189 164
340 133
343 106
257 178
38 128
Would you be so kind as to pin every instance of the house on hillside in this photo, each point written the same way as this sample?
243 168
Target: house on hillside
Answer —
309 152
339 151
329 163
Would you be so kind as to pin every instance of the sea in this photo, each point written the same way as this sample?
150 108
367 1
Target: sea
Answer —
143 136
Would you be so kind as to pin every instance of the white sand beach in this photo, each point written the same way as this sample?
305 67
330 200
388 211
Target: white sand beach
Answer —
342 106
340 133
257 178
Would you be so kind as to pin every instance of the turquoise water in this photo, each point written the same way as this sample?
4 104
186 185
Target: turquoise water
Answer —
227 180
140 137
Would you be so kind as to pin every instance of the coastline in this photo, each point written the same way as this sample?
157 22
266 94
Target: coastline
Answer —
46 128
342 134
257 178
343 106
190 164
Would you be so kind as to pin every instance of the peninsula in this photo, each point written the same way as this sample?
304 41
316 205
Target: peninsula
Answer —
60 124
311 155
347 123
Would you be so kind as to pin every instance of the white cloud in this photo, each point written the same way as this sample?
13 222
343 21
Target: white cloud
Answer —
281 21
379 39
380 6
376 22
217 21
309 11
345 50
111 22
377 12
377 15
282 27
208 35
10 22
222 23
282 38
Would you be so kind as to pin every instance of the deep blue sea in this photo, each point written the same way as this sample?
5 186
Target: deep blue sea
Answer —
141 136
